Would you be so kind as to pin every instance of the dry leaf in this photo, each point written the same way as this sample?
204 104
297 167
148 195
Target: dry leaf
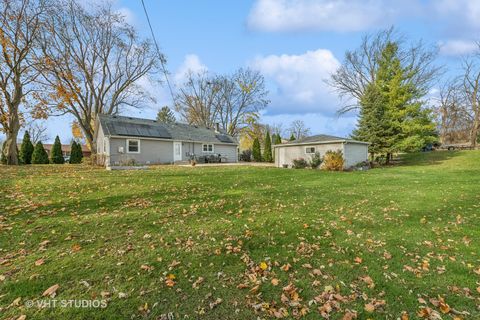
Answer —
39 262
52 291
369 307
22 317
275 281
357 260
263 265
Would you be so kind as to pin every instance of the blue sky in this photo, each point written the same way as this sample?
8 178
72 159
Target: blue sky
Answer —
296 44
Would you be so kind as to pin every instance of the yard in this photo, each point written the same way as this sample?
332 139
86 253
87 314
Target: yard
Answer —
241 242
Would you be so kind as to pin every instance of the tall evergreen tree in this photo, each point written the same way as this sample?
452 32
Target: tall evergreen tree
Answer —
393 118
374 123
166 115
26 149
56 155
76 154
278 139
39 156
292 137
256 151
267 148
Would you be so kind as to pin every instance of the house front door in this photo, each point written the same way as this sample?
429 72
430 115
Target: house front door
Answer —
177 151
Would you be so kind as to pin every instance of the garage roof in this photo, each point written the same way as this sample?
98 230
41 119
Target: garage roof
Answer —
320 139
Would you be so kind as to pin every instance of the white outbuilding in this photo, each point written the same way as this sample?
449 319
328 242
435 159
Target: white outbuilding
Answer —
353 151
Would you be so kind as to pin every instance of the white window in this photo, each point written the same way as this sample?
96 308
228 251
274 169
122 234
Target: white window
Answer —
207 148
309 150
133 146
105 145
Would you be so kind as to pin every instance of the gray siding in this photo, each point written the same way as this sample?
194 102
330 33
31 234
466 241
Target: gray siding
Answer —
151 151
161 152
355 153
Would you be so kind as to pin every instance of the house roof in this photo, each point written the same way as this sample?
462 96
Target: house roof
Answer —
146 128
320 139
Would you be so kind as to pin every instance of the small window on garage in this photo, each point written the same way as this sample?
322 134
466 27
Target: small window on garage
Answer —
310 150
133 146
207 147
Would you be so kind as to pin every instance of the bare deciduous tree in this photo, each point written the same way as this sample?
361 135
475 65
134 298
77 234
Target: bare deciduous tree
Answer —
94 61
452 114
242 94
360 66
471 86
229 100
20 24
37 130
298 129
198 100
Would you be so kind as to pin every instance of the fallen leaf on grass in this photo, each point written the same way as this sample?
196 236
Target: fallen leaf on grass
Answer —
76 247
215 303
357 260
52 291
275 281
39 262
197 283
369 307
263 265
22 317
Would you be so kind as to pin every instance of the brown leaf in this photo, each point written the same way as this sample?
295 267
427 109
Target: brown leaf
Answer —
76 247
52 291
369 307
357 260
39 262
404 316
275 281
22 317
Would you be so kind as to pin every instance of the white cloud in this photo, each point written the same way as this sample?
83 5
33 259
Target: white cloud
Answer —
326 15
457 47
191 63
460 12
299 81
128 14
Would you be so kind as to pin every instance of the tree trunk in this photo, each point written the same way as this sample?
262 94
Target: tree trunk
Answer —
389 156
474 133
11 148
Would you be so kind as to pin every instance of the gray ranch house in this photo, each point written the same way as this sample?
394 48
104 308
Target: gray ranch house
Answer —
121 140
353 151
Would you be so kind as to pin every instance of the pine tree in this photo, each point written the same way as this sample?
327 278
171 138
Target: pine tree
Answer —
256 151
267 148
76 154
39 156
56 155
26 149
392 117
278 139
166 115
374 123
292 137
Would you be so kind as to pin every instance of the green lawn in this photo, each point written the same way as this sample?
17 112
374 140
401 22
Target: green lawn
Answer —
242 242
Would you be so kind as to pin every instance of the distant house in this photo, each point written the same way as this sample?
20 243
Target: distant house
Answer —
67 149
353 151
123 140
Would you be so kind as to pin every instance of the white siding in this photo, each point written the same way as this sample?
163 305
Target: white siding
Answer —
287 153
355 153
